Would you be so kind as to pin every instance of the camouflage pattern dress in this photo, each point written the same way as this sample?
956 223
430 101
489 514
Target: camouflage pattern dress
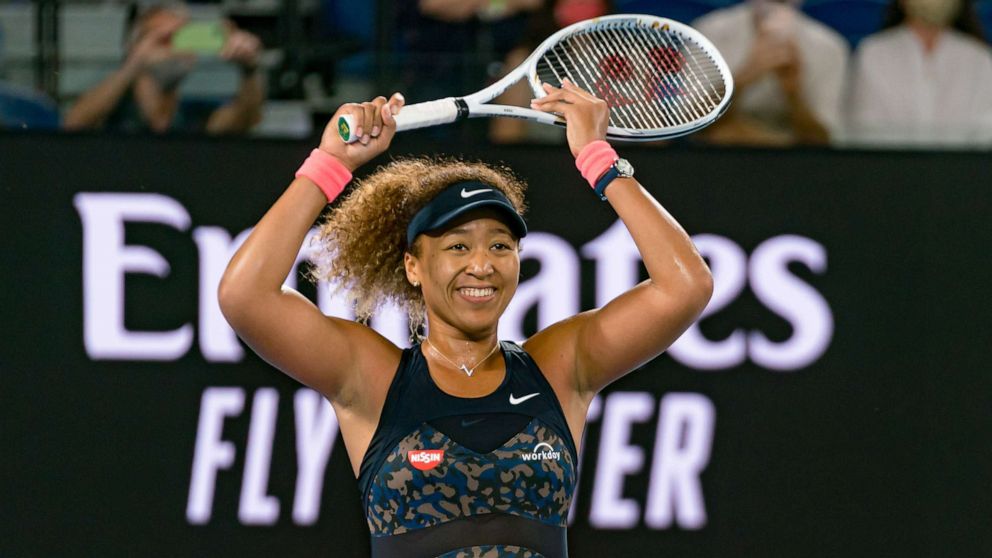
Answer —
452 477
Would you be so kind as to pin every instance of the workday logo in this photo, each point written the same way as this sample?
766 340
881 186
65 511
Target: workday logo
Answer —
542 452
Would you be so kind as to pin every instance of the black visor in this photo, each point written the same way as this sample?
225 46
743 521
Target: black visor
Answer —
459 198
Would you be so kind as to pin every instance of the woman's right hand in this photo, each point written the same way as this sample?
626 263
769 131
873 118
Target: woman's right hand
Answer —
374 126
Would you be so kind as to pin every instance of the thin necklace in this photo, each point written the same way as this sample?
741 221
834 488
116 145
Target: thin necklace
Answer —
468 371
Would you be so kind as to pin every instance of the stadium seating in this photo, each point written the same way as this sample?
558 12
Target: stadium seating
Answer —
20 50
23 108
91 44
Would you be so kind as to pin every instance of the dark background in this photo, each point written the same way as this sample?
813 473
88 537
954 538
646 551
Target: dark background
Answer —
879 448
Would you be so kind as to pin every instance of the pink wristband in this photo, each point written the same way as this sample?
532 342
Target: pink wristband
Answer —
326 172
594 160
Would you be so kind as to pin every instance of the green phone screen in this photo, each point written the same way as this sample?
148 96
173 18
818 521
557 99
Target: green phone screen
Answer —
200 37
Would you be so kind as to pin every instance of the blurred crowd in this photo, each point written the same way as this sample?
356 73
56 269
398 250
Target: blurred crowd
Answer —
860 73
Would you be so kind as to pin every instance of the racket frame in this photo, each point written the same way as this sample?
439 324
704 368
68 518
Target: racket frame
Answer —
476 105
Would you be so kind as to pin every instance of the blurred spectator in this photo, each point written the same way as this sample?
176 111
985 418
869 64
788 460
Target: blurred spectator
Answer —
789 72
544 22
143 94
926 80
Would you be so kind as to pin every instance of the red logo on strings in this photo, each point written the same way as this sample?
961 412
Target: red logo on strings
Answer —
425 460
617 70
667 60
616 66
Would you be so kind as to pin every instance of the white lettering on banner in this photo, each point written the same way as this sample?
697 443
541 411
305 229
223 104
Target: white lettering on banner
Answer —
684 436
728 264
390 321
801 305
779 290
336 305
685 429
618 263
218 343
316 431
617 459
681 451
256 507
212 453
106 259
555 288
618 269
393 324
304 255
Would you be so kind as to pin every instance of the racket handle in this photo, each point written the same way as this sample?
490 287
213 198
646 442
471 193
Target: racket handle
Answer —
346 128
431 113
419 115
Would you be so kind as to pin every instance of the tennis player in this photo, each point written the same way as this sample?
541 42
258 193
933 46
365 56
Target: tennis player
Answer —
463 445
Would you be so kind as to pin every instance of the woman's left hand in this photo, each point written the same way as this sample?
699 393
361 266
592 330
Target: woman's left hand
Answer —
586 116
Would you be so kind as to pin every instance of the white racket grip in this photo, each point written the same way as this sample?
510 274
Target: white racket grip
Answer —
346 128
431 113
419 115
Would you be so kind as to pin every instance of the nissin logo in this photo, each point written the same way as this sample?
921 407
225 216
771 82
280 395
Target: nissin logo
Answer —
540 454
425 460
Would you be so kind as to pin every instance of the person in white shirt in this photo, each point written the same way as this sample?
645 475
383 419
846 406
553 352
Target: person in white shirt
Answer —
789 71
924 81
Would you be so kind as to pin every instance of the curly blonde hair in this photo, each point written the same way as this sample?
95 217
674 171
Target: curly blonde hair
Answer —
360 245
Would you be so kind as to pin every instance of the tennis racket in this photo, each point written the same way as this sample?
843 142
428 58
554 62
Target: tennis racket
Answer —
661 79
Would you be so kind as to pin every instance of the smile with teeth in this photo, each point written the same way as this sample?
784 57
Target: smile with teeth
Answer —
477 293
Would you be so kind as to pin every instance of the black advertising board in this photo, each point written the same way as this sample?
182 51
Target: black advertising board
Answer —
833 401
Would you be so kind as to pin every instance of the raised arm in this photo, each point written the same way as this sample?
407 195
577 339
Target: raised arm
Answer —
244 111
282 326
599 346
95 105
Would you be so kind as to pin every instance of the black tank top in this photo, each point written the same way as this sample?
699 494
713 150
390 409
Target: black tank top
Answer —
447 476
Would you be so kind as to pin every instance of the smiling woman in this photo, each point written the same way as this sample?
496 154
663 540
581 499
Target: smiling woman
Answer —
362 243
464 445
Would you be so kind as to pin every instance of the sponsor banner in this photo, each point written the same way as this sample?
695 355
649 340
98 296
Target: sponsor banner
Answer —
832 399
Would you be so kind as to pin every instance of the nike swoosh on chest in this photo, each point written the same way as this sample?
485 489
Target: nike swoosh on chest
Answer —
519 400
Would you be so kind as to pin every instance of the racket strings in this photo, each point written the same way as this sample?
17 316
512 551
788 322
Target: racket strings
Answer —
709 70
661 108
681 81
673 81
575 61
589 51
666 105
651 77
581 70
